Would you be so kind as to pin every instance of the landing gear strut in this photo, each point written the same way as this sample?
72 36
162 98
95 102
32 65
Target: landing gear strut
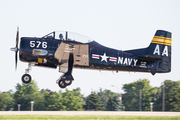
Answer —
26 78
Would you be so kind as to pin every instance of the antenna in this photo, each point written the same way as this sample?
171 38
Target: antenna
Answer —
66 35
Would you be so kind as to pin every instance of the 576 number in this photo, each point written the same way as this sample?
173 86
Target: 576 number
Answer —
39 43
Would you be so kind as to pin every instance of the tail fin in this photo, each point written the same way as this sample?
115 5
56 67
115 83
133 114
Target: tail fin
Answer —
157 57
160 47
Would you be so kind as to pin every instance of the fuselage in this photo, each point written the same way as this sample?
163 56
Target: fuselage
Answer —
99 57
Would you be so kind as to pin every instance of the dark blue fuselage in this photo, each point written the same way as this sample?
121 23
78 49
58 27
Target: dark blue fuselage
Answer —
100 57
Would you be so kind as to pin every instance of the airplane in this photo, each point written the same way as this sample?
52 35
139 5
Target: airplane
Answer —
52 51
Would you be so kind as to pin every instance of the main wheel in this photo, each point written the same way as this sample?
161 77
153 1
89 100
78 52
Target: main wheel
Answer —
62 84
68 82
26 78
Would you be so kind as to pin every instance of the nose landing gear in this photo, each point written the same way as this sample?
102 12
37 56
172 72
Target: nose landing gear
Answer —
26 78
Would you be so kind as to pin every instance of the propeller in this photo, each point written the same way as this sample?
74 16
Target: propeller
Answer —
16 48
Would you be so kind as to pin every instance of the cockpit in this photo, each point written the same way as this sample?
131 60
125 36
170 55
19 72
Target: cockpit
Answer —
67 36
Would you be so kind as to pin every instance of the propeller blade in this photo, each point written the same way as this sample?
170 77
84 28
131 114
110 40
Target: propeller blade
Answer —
17 38
16 60
16 54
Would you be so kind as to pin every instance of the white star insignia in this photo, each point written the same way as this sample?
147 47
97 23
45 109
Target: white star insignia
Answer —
104 57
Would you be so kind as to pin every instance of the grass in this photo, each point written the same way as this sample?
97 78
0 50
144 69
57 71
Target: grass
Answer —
85 117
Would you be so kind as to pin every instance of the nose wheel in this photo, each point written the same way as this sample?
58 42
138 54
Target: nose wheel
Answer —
26 78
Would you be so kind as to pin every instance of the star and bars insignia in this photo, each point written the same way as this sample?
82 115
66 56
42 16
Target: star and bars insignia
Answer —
104 57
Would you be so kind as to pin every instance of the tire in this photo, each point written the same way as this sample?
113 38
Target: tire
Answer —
68 82
62 84
26 78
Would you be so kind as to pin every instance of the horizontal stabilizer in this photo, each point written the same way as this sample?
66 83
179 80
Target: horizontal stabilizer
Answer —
149 58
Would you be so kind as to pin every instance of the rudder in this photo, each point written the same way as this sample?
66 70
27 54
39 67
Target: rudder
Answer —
160 47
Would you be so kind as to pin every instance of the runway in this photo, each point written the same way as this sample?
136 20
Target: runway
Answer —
133 113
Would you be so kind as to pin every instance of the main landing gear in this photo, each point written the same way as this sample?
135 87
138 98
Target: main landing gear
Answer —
26 78
67 78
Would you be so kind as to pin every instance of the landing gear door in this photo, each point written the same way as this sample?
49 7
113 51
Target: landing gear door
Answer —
62 55
81 55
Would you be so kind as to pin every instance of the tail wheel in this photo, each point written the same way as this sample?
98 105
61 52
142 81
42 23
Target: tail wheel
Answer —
26 78
62 84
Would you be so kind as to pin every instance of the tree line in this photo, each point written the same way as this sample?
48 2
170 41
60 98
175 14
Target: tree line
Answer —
137 96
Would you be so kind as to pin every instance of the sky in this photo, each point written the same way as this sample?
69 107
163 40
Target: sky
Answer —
119 24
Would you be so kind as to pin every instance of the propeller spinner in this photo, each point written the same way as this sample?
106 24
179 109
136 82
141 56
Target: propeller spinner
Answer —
15 49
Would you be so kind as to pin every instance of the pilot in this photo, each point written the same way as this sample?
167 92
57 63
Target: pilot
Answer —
61 36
